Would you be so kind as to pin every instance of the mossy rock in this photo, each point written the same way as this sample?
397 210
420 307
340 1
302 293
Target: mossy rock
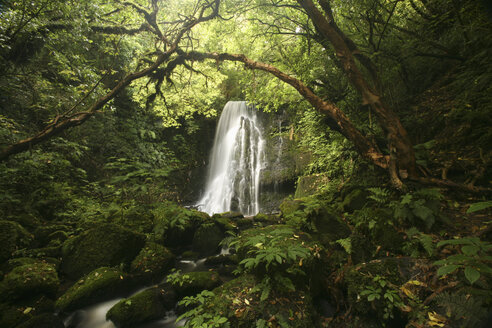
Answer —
99 285
140 222
175 226
40 253
232 215
12 316
152 262
104 245
150 304
238 301
12 237
192 283
207 239
44 234
315 216
309 185
45 320
355 200
29 279
290 205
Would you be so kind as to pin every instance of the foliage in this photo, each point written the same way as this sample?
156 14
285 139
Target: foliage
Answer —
422 206
474 259
475 207
276 255
198 317
178 278
384 292
418 242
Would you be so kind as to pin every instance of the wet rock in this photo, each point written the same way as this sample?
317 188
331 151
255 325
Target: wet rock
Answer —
152 262
29 279
232 215
99 285
12 237
147 305
207 238
104 245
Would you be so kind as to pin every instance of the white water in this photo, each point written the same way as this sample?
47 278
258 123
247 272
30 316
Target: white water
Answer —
233 181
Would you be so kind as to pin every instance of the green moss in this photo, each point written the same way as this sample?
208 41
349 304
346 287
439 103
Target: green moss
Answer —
12 237
309 185
46 320
104 245
11 316
44 234
207 238
29 279
100 284
147 305
153 262
192 283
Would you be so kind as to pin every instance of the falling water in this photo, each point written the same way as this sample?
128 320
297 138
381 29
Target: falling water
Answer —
233 182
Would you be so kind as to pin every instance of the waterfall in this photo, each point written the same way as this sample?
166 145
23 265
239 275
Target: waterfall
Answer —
233 181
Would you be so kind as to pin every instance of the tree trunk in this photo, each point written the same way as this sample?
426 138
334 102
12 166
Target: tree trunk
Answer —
402 157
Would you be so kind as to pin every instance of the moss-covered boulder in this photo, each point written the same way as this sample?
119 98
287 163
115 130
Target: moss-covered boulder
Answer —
175 226
152 262
147 305
45 233
29 279
103 245
12 237
309 185
45 320
207 239
315 216
192 283
12 316
99 285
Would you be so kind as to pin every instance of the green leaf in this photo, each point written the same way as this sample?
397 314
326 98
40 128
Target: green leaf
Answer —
475 207
471 274
447 269
470 250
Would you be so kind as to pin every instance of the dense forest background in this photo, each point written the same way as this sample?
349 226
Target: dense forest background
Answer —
384 112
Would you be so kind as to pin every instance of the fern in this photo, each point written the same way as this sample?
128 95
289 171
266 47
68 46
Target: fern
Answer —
379 195
463 309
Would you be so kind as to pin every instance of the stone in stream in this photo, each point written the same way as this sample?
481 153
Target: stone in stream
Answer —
45 320
29 280
147 305
152 262
207 239
99 285
104 245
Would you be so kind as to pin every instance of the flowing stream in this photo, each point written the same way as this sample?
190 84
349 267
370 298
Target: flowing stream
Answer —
233 181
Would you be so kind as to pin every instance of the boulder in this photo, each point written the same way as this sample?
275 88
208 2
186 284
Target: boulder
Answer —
207 239
104 245
99 285
192 283
147 305
153 262
45 233
45 320
12 237
28 280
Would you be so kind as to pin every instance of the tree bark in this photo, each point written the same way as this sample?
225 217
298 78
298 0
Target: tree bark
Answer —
402 157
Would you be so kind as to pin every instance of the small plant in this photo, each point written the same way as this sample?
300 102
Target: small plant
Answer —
418 241
474 259
276 255
379 195
177 278
423 205
385 292
198 317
